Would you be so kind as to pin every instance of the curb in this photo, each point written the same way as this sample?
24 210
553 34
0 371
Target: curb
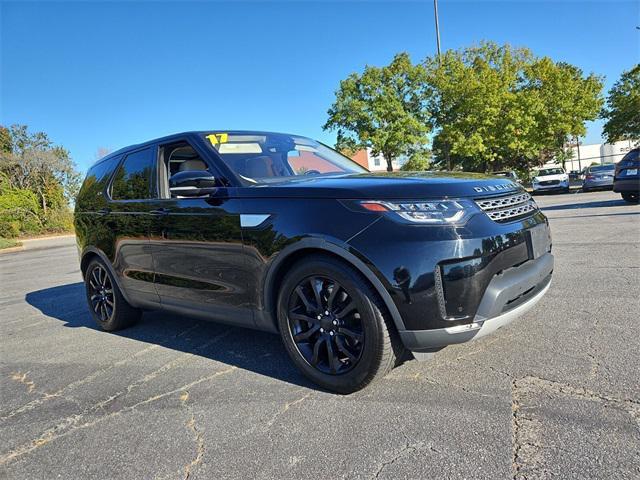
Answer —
18 248
38 243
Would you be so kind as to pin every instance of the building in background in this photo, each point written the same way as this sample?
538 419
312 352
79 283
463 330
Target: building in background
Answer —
375 163
586 155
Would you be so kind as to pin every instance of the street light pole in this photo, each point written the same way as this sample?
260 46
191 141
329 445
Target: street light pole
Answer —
435 12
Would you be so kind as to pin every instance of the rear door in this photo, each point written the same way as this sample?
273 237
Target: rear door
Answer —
197 244
128 221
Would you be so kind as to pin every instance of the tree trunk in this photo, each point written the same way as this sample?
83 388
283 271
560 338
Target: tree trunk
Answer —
43 202
389 160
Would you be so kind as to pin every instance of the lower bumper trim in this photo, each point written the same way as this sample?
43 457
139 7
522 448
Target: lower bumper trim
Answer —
425 340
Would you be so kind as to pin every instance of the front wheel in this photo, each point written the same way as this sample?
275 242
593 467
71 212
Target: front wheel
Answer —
334 326
630 197
108 307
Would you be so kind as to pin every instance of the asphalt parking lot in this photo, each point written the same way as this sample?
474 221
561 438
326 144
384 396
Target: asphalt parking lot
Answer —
555 394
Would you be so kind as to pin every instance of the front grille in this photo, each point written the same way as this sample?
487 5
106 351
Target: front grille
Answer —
508 207
550 182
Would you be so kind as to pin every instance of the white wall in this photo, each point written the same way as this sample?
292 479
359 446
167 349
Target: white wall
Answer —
379 163
599 153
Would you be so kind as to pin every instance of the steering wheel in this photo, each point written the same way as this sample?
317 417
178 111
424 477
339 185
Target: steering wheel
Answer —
312 172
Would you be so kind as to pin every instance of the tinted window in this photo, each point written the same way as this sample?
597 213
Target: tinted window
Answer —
96 180
630 158
601 168
132 181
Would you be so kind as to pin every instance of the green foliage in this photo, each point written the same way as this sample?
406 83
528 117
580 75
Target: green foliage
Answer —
384 108
19 211
418 162
622 111
59 220
37 182
7 243
497 107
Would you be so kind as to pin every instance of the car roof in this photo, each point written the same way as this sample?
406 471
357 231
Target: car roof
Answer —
177 136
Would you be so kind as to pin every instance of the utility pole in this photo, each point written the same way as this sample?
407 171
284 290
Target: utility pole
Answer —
435 12
578 146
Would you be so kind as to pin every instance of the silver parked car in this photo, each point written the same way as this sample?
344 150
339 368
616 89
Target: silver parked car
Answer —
599 177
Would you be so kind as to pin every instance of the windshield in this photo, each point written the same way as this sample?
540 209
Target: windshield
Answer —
549 171
260 158
602 168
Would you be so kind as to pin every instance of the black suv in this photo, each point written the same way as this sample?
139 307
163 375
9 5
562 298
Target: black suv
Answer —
281 233
626 180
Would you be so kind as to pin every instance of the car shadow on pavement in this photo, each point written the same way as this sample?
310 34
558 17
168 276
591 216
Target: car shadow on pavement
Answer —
252 350
595 204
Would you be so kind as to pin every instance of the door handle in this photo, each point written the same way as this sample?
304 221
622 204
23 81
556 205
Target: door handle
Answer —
104 211
160 212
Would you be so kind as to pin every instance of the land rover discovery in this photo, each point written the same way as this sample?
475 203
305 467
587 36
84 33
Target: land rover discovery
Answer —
281 233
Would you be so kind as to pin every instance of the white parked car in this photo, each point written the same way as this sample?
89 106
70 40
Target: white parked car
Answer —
548 179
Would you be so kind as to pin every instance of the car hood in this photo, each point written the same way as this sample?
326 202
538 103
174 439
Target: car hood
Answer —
393 185
545 178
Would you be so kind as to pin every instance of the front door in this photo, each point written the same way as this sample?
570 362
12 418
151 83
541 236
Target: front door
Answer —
197 244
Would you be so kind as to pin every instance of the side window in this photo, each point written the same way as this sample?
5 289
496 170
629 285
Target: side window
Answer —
97 177
176 158
132 180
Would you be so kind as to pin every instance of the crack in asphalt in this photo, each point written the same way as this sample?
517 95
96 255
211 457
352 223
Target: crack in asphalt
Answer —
77 422
198 436
407 450
527 446
99 373
286 407
22 378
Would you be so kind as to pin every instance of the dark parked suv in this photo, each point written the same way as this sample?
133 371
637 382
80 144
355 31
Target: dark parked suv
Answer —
627 176
281 233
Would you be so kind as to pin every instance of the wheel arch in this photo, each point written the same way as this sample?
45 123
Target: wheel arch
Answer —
91 253
293 253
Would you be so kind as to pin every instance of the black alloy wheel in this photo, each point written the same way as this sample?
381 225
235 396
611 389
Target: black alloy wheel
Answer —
107 304
101 295
326 325
334 325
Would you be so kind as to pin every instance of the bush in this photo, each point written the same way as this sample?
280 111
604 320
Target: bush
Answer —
418 162
19 212
59 220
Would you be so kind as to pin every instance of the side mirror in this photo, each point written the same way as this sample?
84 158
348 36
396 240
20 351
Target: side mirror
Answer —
192 183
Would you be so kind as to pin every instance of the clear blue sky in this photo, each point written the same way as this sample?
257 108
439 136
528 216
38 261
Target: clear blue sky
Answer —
108 74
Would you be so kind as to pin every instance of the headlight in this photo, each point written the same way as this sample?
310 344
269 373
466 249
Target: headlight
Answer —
433 212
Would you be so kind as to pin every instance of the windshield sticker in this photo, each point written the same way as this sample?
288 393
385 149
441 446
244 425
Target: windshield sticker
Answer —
216 138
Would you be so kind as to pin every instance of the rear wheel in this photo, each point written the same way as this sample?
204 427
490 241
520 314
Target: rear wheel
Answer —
334 326
630 197
106 303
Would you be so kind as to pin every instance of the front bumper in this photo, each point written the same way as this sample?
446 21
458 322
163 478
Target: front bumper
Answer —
509 295
557 186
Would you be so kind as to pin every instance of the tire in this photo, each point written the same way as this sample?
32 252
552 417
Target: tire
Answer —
353 324
110 310
630 197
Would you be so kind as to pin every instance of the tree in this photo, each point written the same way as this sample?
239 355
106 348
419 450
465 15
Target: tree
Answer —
102 152
418 162
622 111
31 161
496 107
384 109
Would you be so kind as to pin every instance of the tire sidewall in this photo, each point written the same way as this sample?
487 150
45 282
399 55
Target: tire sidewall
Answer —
371 318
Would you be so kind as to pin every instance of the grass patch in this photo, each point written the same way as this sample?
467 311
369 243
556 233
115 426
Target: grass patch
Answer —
8 243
